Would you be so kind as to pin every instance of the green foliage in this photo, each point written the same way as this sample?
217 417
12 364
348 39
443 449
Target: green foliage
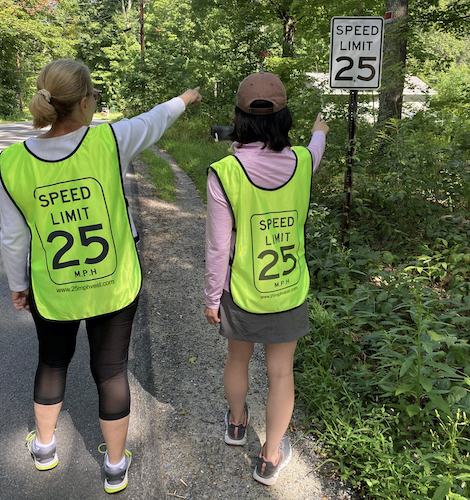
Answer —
28 41
453 96
107 41
385 354
384 375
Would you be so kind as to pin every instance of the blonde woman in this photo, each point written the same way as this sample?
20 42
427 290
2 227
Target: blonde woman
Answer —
63 207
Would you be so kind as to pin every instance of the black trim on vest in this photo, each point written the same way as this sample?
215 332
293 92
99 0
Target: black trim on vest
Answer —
61 159
270 189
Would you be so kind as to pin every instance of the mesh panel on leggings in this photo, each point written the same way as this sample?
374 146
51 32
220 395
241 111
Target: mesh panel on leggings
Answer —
109 346
56 349
49 384
108 337
114 397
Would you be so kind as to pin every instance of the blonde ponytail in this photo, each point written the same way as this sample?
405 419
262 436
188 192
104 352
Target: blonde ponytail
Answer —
61 85
43 112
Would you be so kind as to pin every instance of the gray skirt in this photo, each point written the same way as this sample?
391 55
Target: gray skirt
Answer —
272 328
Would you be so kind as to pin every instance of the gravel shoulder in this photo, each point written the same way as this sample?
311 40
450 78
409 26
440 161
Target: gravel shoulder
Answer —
178 359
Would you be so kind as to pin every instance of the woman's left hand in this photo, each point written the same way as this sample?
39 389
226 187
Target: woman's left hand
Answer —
212 316
20 300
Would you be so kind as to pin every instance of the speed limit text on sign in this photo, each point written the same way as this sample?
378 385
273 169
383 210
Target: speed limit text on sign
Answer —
356 52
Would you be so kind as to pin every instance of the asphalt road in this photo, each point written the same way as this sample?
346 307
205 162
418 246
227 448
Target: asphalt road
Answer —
79 473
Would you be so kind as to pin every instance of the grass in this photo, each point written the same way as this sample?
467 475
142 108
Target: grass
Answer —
161 174
17 117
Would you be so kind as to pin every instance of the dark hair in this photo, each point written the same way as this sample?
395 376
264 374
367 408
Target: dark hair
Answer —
271 129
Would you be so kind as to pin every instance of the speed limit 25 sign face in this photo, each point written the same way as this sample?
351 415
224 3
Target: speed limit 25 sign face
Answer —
356 52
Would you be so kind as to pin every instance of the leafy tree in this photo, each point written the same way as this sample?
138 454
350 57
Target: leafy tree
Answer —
449 16
108 42
28 41
229 40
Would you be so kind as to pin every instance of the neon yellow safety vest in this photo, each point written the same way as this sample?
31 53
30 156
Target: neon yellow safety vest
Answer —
269 270
83 260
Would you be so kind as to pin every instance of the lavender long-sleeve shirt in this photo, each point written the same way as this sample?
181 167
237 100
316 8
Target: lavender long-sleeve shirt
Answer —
267 169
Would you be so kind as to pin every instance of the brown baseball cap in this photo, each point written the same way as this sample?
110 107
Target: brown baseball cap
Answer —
261 86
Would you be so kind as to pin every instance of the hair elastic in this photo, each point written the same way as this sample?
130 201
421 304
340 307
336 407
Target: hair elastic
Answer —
46 94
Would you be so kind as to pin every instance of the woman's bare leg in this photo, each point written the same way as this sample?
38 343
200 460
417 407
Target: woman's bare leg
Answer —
236 377
280 401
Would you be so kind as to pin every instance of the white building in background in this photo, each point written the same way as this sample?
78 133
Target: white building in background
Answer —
415 94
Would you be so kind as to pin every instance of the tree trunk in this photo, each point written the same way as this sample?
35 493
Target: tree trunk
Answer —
289 34
125 10
20 94
394 61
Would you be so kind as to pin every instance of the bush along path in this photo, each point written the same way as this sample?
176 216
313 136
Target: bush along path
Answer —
186 357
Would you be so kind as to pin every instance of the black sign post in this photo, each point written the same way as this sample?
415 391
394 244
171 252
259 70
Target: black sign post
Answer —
348 174
355 64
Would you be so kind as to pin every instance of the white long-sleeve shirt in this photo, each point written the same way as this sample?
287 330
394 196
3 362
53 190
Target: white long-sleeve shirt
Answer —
132 135
267 169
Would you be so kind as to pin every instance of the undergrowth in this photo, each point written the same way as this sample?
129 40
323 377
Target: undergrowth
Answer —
384 375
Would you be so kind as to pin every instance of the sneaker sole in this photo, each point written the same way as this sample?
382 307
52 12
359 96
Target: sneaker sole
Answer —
236 442
47 466
269 481
122 485
116 489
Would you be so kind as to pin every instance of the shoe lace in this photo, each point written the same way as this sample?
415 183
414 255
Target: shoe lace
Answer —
31 435
29 438
127 453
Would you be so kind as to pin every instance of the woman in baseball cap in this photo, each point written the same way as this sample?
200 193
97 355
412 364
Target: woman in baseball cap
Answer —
257 278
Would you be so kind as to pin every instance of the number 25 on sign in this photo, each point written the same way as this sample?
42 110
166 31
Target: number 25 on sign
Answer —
356 52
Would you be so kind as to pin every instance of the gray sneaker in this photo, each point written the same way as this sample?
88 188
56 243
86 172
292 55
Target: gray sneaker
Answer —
236 434
117 481
267 473
43 460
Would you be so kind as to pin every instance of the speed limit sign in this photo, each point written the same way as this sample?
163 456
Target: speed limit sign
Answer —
356 52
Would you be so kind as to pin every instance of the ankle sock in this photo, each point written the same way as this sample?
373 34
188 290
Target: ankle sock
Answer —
44 448
117 467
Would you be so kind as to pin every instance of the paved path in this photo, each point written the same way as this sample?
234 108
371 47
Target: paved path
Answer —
20 131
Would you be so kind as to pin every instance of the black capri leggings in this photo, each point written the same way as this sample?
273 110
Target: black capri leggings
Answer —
108 337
